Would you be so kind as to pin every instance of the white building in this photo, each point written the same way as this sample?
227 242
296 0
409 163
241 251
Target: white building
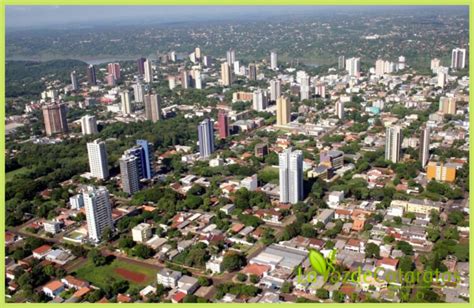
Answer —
52 227
141 233
260 100
98 212
148 71
126 104
353 66
393 143
291 176
339 109
168 278
273 60
77 202
89 125
275 89
251 182
98 162
215 264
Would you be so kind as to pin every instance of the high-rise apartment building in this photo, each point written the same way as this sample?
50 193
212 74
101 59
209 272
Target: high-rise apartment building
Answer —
54 116
114 70
291 176
223 122
259 100
275 89
283 110
98 162
141 66
424 154
341 61
252 71
74 83
353 67
393 141
447 105
435 64
206 138
126 104
153 107
458 58
129 175
91 75
226 74
148 71
273 60
230 57
89 125
98 212
138 92
339 106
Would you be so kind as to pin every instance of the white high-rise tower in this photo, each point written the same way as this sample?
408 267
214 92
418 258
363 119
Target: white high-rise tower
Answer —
98 159
291 176
98 212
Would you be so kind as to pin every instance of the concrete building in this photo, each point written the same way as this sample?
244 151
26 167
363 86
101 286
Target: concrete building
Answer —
226 74
141 233
55 120
148 74
88 125
291 176
353 67
98 212
339 109
126 104
129 174
424 154
275 89
98 163
153 107
283 110
458 58
273 60
206 138
393 139
441 172
260 100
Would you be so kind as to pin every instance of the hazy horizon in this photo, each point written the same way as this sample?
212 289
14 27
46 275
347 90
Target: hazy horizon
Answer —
29 17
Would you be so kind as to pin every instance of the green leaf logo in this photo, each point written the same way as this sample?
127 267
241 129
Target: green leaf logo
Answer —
317 262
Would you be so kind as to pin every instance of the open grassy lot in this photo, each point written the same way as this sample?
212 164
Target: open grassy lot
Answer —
10 175
103 275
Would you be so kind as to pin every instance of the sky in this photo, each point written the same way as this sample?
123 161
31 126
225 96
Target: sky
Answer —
18 17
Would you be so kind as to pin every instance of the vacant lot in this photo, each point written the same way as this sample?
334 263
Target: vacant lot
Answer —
119 270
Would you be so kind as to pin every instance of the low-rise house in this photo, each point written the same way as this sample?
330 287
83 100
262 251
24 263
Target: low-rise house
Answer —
53 288
41 252
187 284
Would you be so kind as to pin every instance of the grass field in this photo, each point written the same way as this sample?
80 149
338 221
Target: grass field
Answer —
103 275
10 175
